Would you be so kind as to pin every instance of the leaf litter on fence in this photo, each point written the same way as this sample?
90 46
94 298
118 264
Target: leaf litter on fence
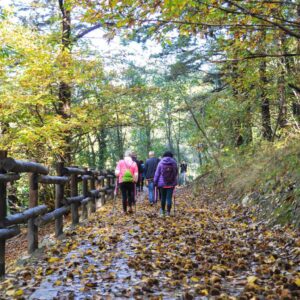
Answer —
207 249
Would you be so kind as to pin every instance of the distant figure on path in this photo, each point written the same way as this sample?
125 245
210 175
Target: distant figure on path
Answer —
137 184
166 179
127 173
141 167
150 168
183 170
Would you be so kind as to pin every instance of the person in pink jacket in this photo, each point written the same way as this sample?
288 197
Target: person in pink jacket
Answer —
127 174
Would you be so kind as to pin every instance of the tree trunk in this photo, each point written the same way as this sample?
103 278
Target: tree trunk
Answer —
169 126
238 138
120 146
265 103
296 89
148 132
282 114
64 93
101 138
92 152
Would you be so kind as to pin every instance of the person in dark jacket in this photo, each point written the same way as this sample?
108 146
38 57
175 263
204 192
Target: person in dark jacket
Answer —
142 175
165 179
183 170
136 188
150 168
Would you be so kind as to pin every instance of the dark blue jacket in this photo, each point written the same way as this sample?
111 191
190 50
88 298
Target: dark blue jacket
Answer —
150 167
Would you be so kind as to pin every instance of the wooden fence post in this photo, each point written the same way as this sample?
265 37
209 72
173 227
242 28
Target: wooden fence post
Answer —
93 187
108 196
85 194
74 205
3 208
59 196
33 202
102 193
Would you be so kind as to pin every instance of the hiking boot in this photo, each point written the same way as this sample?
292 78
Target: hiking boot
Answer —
130 211
162 213
168 214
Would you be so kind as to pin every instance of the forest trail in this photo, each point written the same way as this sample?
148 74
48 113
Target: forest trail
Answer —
209 248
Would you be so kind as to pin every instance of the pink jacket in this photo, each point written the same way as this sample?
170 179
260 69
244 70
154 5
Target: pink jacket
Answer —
125 164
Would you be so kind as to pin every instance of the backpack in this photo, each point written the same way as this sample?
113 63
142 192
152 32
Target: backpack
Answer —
168 172
127 176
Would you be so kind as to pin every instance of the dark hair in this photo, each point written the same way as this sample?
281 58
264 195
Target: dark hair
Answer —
168 154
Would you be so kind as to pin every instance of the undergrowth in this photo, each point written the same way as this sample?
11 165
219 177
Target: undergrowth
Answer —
266 175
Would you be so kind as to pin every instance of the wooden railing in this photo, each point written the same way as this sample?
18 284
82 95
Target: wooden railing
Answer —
95 186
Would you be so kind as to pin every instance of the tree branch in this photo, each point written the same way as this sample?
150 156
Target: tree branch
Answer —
283 28
90 29
254 56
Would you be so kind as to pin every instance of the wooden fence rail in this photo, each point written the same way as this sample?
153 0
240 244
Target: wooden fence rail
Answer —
96 186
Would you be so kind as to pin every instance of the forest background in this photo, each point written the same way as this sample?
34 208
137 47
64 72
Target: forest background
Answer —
221 89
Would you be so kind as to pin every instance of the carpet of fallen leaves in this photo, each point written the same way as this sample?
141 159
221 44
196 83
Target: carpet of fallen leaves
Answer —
205 250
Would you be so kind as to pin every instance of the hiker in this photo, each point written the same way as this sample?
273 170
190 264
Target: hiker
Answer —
165 179
183 170
127 173
150 168
141 167
137 183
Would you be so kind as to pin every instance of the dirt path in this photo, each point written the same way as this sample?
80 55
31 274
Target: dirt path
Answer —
205 250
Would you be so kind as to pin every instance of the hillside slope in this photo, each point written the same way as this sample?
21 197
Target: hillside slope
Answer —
265 178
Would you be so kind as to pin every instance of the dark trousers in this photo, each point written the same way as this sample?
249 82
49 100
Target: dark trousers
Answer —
127 190
166 197
140 184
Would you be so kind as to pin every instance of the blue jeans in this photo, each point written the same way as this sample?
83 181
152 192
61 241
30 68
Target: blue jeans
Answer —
166 197
182 178
151 191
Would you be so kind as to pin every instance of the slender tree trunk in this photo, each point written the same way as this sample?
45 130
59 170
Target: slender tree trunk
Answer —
92 152
282 114
248 125
64 93
148 139
120 145
209 142
148 132
169 126
265 103
267 131
179 140
296 87
238 138
102 148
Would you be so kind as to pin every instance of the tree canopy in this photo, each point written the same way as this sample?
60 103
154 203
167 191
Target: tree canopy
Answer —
227 77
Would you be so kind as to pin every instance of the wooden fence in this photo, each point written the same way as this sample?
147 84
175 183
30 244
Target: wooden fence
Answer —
95 186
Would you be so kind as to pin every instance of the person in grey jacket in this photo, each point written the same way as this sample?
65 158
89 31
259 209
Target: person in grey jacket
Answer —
150 168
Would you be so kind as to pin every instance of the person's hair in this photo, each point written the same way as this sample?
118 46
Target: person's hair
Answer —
151 153
128 153
168 154
141 161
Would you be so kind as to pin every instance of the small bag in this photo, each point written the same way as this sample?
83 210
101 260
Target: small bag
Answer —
127 176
